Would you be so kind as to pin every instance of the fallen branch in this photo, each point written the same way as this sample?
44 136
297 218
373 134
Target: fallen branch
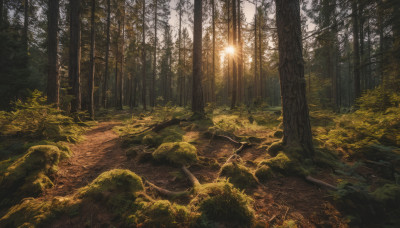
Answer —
320 183
191 177
160 126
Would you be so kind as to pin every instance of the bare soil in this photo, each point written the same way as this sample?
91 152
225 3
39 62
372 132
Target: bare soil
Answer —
280 199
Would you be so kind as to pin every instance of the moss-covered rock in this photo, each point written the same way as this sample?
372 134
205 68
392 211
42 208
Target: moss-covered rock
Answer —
179 153
264 172
161 213
37 212
116 180
239 175
29 175
221 203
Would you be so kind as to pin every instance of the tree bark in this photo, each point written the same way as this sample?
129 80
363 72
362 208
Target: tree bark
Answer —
144 54
356 52
106 75
234 66
117 55
240 54
92 64
75 55
53 77
153 78
296 123
213 99
197 93
26 25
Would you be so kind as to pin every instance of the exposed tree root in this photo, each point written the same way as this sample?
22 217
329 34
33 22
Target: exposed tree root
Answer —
166 192
320 183
191 177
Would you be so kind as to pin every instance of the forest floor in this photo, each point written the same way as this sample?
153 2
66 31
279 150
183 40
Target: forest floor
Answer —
280 199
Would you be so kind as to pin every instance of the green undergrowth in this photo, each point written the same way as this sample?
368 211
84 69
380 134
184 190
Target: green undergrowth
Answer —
34 119
178 153
120 193
239 175
30 174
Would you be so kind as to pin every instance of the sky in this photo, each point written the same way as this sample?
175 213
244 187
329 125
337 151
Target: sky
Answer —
248 10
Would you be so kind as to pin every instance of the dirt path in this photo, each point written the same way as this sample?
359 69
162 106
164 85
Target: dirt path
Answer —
98 152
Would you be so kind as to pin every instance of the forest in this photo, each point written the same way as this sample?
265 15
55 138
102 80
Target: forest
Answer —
200 113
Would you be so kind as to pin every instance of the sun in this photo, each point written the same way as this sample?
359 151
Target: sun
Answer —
229 50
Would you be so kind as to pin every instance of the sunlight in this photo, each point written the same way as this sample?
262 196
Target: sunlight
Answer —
229 50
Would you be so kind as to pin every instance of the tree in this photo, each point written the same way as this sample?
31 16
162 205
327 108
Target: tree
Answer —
53 77
106 73
197 92
75 55
356 52
144 54
296 123
234 66
92 65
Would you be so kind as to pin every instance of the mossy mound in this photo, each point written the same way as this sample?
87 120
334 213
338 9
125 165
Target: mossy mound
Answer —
160 213
221 203
35 212
116 180
178 153
264 172
29 175
278 134
154 139
117 190
239 175
287 164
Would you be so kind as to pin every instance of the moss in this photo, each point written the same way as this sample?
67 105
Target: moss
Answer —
29 175
239 175
36 212
116 180
264 172
154 139
222 203
275 148
389 194
286 163
288 224
163 213
179 153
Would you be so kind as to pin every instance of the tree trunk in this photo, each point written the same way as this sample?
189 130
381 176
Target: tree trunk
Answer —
122 57
356 54
105 85
153 78
144 55
26 25
1 14
116 95
53 77
197 93
296 123
240 54
256 92
234 67
261 79
213 99
92 65
75 55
